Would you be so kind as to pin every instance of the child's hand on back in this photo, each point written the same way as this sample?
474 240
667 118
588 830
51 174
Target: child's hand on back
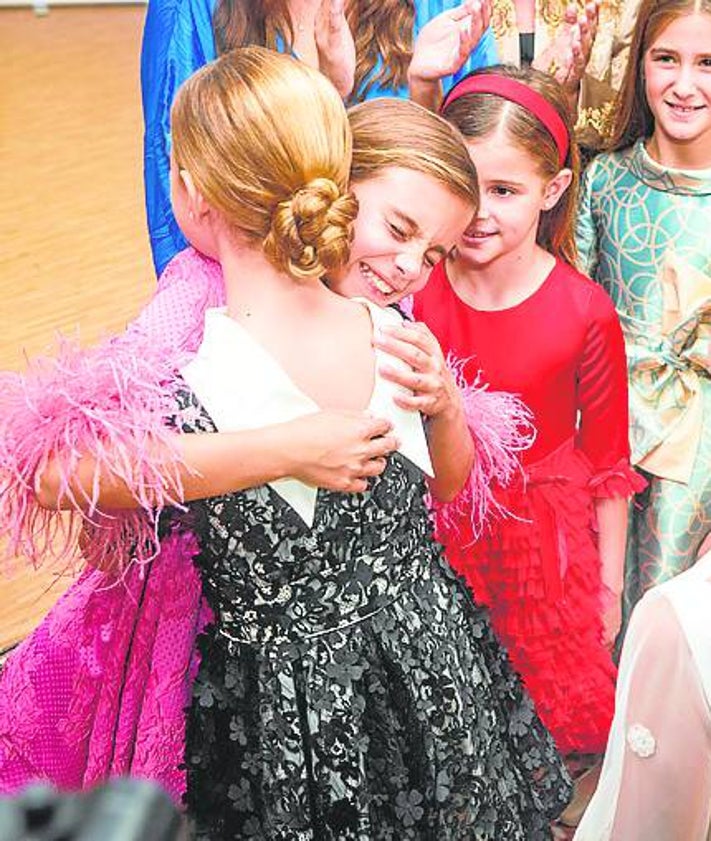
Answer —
339 450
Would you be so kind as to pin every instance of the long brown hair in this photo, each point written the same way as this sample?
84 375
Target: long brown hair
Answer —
479 115
241 23
633 116
266 141
382 30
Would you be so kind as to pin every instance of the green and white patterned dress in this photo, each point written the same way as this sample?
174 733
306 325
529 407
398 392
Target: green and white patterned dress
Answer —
644 234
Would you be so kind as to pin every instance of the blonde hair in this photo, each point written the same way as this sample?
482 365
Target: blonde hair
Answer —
399 133
382 30
633 117
479 115
267 143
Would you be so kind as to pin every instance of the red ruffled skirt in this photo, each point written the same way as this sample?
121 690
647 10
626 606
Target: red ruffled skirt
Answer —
539 573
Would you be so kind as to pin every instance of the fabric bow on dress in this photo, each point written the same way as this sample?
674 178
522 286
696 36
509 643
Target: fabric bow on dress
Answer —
666 367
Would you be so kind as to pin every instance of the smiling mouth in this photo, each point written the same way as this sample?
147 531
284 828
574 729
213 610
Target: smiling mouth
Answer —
375 280
480 235
684 109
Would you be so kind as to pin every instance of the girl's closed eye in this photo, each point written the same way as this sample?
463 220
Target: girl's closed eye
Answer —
397 232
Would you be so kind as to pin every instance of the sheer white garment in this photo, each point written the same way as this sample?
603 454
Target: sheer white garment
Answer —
656 777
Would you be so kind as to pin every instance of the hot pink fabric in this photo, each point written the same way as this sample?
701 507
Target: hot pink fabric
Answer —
100 688
109 402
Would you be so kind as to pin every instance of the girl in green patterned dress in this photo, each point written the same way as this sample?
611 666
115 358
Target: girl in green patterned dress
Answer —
643 234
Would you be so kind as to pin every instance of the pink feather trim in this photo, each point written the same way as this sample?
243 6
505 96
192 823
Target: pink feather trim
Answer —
107 403
502 427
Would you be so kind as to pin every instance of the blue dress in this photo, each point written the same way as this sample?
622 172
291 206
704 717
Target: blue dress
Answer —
177 41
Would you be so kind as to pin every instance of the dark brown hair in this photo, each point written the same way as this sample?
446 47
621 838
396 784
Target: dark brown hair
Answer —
633 117
479 115
382 30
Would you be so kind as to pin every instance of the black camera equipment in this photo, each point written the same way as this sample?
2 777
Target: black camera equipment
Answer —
120 810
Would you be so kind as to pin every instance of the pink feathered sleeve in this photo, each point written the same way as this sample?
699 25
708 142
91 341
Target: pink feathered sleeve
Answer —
109 403
502 427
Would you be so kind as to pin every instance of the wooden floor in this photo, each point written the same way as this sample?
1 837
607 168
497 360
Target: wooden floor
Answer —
73 248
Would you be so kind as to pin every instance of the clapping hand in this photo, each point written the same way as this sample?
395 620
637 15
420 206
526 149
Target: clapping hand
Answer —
567 56
445 43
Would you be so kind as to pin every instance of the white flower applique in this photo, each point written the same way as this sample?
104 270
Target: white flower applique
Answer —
641 741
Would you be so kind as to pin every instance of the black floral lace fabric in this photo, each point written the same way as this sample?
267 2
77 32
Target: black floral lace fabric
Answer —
350 687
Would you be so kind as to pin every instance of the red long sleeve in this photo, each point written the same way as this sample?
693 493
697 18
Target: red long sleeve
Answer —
602 386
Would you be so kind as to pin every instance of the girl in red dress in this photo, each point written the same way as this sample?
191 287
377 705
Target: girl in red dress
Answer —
510 303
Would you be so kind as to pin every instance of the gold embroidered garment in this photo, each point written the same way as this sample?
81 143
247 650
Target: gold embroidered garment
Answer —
608 59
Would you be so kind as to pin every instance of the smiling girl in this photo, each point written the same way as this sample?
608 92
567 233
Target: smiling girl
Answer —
510 301
643 235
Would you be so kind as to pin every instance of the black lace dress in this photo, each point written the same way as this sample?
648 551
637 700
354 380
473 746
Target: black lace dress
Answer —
350 688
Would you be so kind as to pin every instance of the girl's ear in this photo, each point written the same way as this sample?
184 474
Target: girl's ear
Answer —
555 188
197 206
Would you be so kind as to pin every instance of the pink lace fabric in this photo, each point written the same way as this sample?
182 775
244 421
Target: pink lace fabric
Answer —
175 316
100 688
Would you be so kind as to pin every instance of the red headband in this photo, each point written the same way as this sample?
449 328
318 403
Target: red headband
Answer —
522 95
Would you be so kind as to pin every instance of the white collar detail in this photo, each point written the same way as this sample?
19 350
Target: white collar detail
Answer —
243 387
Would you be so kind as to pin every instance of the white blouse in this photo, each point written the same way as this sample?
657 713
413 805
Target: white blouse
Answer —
243 387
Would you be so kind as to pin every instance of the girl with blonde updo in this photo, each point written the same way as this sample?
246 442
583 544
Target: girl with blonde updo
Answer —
367 48
348 687
288 196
